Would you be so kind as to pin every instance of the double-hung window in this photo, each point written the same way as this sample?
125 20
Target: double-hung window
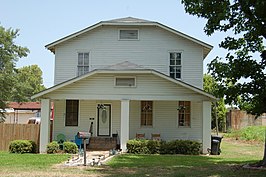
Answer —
146 113
83 63
184 110
72 112
175 65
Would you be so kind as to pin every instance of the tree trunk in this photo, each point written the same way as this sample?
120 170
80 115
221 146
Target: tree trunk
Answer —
264 157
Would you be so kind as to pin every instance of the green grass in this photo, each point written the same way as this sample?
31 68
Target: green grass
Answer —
29 161
234 155
251 133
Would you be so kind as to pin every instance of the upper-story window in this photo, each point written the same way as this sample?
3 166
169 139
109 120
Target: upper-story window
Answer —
175 65
128 34
83 63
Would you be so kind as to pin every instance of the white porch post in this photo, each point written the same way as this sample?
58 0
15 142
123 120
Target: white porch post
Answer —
206 126
124 135
45 124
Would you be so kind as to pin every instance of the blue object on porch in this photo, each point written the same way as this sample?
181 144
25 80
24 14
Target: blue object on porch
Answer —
61 138
78 141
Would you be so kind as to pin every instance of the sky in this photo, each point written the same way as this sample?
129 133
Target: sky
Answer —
43 22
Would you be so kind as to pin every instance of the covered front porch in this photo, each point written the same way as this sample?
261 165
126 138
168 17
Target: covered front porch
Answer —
108 118
126 102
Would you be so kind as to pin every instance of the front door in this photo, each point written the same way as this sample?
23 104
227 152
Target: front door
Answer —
104 119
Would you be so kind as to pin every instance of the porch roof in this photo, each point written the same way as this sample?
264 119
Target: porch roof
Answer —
112 70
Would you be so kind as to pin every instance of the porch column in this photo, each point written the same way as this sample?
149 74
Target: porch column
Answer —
124 135
206 126
45 125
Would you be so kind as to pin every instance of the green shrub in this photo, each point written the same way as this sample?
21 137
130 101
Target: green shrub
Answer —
21 146
52 147
153 146
34 146
70 147
137 146
162 147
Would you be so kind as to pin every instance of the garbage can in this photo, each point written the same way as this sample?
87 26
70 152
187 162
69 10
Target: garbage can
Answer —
215 145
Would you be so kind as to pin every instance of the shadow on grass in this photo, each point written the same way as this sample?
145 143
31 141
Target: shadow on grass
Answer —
177 165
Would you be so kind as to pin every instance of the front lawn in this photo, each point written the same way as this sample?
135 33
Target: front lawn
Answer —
229 163
234 155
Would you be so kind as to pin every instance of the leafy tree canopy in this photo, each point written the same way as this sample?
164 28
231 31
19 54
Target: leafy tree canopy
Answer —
9 55
28 82
241 75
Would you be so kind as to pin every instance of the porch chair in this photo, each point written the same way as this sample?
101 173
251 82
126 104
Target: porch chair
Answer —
156 136
61 138
140 136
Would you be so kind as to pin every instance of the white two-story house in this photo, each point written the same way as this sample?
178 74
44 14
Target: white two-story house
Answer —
128 76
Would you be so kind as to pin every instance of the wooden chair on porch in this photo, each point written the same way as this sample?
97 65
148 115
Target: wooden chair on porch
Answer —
156 136
140 136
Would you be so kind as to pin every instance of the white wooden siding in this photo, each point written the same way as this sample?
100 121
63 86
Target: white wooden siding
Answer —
148 86
150 51
87 110
164 120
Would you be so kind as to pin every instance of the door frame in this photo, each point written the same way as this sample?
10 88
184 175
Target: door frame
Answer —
110 118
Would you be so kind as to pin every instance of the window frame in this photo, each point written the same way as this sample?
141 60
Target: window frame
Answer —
67 112
125 77
144 113
128 29
83 65
175 65
184 112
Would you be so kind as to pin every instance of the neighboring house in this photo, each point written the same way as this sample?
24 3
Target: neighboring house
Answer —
128 76
19 113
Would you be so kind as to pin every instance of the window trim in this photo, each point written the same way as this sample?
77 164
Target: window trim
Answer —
119 30
181 65
78 117
129 77
83 52
152 112
184 126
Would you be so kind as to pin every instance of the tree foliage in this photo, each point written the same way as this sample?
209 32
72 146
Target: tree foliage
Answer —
211 86
242 74
28 82
9 55
16 84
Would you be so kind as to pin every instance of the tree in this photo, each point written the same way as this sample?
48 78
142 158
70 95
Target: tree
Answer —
211 86
28 82
241 75
9 55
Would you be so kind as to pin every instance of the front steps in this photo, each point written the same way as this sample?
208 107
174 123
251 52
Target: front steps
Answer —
102 143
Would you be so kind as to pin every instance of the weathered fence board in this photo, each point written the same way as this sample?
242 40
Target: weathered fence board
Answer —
10 132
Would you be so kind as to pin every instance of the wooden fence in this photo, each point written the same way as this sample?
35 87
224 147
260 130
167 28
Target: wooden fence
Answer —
10 132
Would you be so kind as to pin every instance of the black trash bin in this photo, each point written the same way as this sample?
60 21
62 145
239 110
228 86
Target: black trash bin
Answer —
215 144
